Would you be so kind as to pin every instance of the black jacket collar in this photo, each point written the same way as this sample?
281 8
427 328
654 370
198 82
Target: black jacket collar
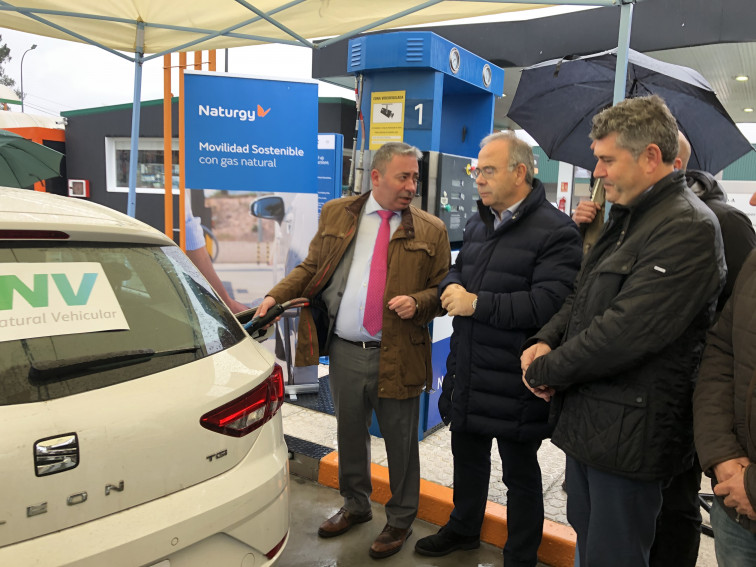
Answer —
533 200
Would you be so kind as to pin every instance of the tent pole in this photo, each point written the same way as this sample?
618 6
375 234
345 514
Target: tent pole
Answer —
135 112
623 46
620 71
167 146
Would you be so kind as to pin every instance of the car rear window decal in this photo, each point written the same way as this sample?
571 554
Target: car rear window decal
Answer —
56 298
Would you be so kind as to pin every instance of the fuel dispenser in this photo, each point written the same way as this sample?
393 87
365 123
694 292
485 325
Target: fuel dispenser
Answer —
417 87
449 191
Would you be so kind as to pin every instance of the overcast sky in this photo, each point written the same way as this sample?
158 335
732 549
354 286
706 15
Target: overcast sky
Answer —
65 75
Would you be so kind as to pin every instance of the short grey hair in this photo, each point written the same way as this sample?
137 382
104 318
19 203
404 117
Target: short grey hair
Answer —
639 122
386 153
519 152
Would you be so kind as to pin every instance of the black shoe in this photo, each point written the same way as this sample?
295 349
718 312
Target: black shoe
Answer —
444 542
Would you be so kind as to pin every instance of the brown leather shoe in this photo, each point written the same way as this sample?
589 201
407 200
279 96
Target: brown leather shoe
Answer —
389 541
341 522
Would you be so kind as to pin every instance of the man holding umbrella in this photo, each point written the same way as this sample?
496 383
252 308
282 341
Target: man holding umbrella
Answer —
616 360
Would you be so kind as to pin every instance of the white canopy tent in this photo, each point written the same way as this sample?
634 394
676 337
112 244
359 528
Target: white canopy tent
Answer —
164 26
8 96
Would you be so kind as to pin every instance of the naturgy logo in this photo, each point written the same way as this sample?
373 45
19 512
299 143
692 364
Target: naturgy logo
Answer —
243 114
38 295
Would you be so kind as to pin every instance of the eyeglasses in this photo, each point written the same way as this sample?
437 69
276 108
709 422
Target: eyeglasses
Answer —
489 171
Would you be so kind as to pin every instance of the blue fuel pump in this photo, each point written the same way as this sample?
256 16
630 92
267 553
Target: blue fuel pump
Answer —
419 88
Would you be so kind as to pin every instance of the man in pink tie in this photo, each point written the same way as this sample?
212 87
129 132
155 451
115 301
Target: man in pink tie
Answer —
372 272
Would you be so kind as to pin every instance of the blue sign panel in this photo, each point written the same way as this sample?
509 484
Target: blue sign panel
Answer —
439 354
249 134
330 167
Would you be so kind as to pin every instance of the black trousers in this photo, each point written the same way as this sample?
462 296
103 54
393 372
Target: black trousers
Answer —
678 527
521 475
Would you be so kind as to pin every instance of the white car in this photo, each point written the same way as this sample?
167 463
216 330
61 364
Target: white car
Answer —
140 423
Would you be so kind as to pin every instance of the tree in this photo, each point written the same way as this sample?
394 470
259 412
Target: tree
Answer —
4 58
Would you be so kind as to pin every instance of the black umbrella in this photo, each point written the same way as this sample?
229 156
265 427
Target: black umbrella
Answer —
23 162
556 101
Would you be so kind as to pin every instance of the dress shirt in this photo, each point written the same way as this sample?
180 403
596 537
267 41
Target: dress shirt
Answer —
498 220
349 321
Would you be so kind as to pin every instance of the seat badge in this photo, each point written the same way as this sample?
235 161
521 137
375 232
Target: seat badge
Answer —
56 454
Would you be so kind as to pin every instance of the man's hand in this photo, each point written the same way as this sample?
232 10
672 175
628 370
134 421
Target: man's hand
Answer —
543 392
262 309
457 301
235 306
266 304
527 358
727 469
531 353
585 212
733 489
404 306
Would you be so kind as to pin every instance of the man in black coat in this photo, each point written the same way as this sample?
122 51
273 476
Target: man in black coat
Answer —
518 262
619 358
678 527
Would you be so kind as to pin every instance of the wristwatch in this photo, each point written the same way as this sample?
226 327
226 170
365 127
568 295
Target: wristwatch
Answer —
475 304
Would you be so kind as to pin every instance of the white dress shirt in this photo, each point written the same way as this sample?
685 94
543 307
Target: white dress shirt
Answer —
349 321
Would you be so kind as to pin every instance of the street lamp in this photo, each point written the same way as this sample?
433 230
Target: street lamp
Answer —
23 95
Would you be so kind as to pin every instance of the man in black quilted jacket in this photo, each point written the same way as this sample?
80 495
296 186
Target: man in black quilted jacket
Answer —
617 361
678 527
517 264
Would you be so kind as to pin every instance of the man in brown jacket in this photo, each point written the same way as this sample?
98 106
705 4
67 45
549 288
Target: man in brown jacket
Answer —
724 412
385 370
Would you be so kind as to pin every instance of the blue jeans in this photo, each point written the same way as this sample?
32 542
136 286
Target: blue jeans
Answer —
614 517
678 527
734 545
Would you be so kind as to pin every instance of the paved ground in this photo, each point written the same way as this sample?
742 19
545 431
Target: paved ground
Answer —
311 503
436 466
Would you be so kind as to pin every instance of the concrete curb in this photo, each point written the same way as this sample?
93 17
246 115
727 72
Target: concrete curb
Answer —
558 544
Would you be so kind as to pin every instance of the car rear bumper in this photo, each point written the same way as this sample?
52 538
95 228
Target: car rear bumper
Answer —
244 511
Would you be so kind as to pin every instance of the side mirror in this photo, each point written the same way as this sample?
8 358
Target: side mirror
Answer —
271 208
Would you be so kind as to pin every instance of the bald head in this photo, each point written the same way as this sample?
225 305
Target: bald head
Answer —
683 152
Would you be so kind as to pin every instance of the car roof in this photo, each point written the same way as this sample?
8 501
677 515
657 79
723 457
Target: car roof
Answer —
24 209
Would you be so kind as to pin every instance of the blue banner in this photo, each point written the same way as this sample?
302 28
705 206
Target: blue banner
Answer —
249 134
330 167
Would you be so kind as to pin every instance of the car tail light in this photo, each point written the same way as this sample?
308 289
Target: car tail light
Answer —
272 553
243 415
276 386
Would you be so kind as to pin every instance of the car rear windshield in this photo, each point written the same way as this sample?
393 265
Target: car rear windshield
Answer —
174 318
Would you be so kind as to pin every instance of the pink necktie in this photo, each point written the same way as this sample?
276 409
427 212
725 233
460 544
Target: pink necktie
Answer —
373 318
